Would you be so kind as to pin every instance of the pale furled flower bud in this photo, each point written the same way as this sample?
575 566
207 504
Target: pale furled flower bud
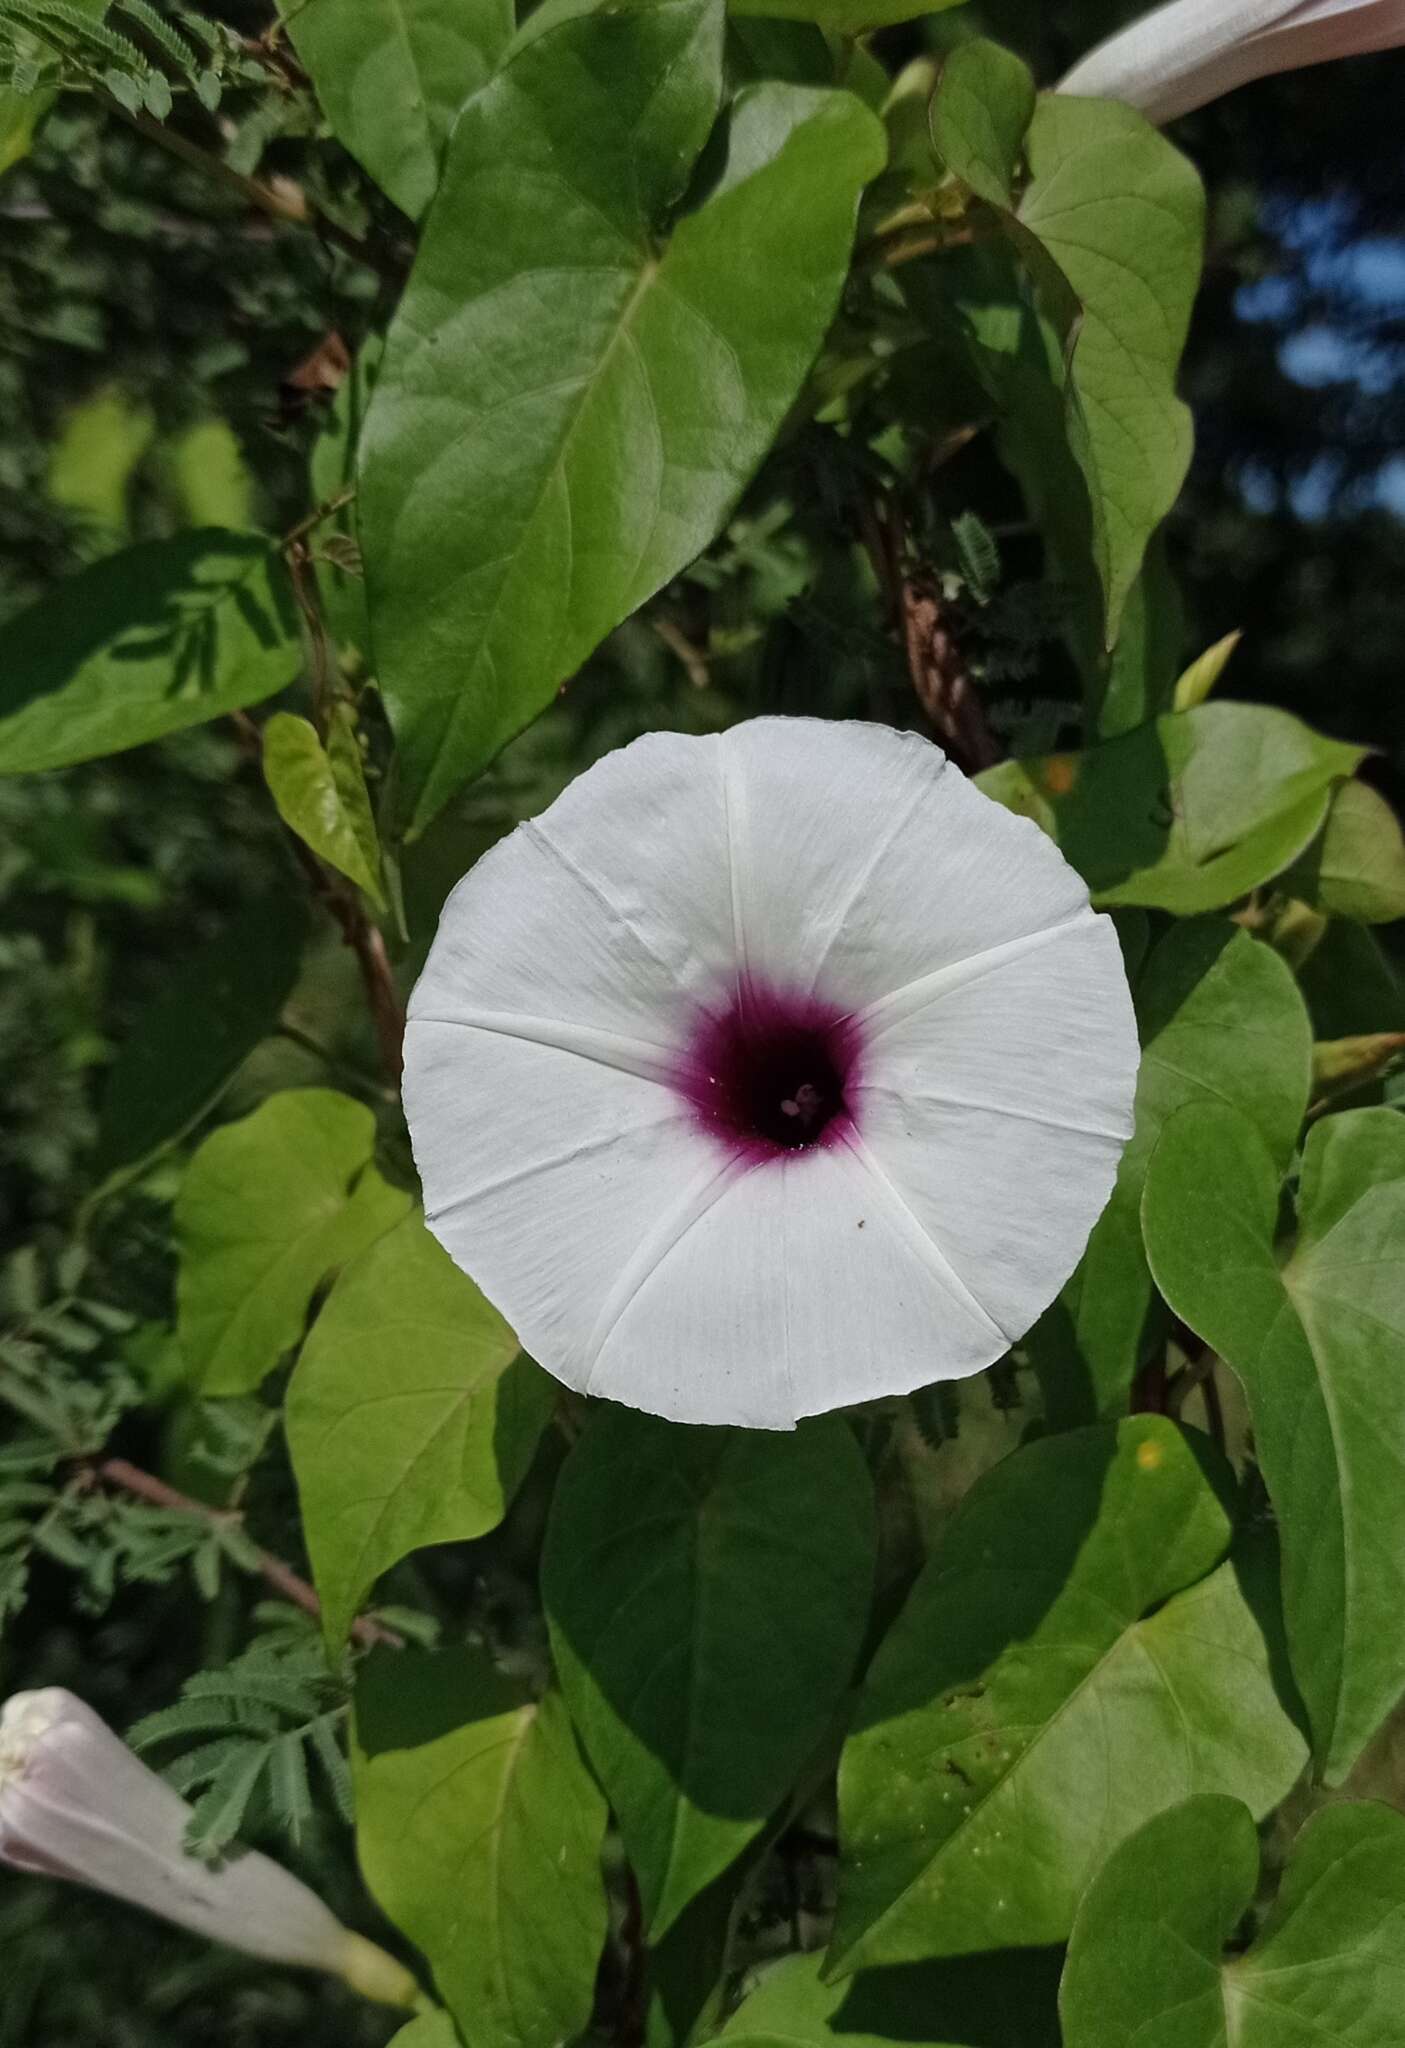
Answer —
76 1803
1182 55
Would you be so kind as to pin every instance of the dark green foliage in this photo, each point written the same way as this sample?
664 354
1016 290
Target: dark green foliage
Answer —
1114 1592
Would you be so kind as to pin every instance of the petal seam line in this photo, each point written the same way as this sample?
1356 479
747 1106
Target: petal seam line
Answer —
704 1194
884 1012
921 1239
636 1056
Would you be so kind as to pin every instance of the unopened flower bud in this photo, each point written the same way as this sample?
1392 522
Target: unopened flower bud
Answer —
75 1803
1191 51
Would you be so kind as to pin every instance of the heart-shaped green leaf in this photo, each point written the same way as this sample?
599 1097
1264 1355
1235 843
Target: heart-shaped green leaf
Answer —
1356 867
1188 812
707 1591
980 115
1063 1668
1111 226
412 1417
269 1206
1324 1967
1121 214
571 403
392 74
1319 1343
479 1830
1221 1019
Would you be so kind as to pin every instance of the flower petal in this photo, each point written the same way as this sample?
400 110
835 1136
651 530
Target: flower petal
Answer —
639 1251
544 1170
612 912
1176 57
1318 30
1000 1107
866 860
801 1286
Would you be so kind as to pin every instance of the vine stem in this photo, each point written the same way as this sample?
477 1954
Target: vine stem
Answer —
1198 1371
941 681
368 944
632 2018
279 1577
904 240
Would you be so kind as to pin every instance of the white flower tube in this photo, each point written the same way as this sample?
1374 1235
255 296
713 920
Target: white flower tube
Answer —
1191 51
768 1073
76 1803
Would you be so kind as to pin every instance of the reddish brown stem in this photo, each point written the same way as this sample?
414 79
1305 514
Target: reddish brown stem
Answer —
632 2017
365 940
387 1014
1198 1371
299 562
279 1577
940 678
1214 1407
910 246
1149 1390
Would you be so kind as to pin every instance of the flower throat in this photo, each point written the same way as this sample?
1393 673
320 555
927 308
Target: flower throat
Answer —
767 1072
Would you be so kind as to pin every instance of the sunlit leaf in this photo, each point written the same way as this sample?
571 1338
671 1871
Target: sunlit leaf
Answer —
393 74
1221 1020
1356 867
1324 1965
1122 215
1110 225
1062 1670
412 1417
205 470
100 443
479 1829
1319 1344
268 1208
166 634
571 404
1195 683
1187 813
321 793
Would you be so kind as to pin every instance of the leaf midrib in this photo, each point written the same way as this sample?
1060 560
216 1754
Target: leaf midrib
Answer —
463 704
1126 1634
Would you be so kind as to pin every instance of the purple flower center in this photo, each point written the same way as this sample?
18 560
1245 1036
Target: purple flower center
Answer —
767 1072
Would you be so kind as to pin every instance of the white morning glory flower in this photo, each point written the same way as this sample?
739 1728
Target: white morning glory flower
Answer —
768 1073
1191 51
75 1803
